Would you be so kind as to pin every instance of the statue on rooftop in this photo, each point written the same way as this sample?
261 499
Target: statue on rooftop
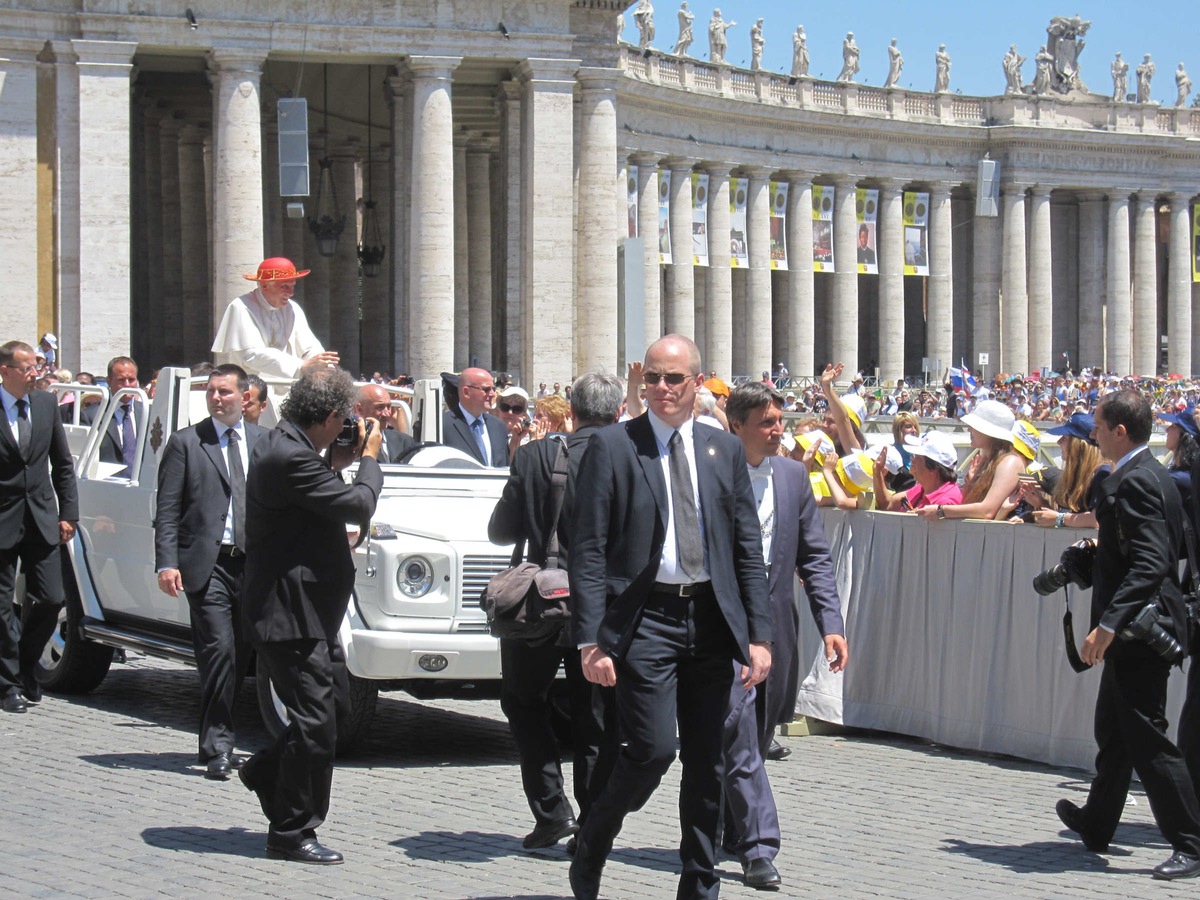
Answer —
643 17
1064 43
1145 72
895 65
1012 70
941 81
1045 65
756 45
1120 77
849 58
1183 86
718 41
686 18
799 53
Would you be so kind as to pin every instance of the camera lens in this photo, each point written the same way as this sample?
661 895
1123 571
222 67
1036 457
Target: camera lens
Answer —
1053 579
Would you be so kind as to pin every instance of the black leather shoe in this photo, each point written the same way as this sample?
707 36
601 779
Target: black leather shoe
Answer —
550 834
310 851
31 689
1180 865
761 874
219 767
585 882
14 702
777 751
1072 816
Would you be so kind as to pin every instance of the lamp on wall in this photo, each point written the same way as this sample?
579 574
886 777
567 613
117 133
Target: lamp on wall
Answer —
371 248
327 221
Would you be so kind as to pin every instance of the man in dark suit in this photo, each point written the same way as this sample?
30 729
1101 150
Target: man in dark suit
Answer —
200 549
119 442
528 669
299 575
468 426
374 402
794 542
668 588
38 511
1139 515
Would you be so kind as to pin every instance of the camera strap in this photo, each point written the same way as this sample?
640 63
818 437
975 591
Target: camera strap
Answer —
1069 636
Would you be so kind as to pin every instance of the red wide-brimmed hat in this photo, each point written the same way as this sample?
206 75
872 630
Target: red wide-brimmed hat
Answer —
277 269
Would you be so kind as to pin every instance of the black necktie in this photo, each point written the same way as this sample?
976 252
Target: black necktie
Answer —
23 434
237 490
689 551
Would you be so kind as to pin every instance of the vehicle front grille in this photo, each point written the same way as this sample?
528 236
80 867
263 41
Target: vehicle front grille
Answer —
476 572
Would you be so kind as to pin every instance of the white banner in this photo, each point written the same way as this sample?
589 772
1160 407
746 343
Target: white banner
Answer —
739 257
699 219
779 194
916 233
866 208
664 216
822 205
631 199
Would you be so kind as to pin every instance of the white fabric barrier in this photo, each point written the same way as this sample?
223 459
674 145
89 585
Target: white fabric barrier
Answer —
949 641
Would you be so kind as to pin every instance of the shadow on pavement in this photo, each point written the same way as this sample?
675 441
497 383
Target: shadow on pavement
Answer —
197 839
1038 857
184 763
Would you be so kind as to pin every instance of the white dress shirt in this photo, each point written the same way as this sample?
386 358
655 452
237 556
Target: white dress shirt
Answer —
11 414
227 536
763 482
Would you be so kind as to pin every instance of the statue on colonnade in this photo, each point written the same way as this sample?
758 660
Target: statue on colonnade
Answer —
799 53
718 40
1064 43
941 81
686 18
1183 86
1012 70
1045 63
1120 77
849 58
756 45
643 17
895 65
1145 73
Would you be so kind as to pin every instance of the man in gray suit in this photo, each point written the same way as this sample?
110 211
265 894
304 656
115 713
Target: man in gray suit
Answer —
793 542
200 549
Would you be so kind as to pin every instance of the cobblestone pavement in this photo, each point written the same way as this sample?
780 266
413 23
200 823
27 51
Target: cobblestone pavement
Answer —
101 799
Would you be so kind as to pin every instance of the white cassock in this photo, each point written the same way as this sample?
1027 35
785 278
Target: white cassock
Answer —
263 339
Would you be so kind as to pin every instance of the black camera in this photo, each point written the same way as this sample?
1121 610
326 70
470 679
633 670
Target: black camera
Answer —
1074 567
1145 627
348 436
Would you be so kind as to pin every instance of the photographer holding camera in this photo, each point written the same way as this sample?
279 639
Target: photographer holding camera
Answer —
1139 514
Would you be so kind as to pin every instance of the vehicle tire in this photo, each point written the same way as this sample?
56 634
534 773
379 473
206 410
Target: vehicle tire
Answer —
352 729
70 663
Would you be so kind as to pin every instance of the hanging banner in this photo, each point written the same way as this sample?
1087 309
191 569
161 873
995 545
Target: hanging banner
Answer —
664 216
699 219
631 199
822 205
779 192
1195 245
916 233
739 257
866 208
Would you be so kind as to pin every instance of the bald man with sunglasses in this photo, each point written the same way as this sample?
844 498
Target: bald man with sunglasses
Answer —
469 426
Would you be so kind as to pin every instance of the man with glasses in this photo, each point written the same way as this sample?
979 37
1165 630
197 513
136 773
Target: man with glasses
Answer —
38 510
469 427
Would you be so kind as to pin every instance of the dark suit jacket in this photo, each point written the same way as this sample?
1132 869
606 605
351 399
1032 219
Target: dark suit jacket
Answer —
457 433
110 441
620 511
1140 519
193 500
397 442
29 485
299 572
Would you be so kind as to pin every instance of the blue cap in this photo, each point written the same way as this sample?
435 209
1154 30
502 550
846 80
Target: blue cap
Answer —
1080 426
1183 419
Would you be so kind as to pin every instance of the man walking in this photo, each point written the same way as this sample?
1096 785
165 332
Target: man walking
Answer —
200 549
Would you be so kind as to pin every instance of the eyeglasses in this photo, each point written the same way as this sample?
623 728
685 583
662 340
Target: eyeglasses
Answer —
489 389
24 370
516 408
672 378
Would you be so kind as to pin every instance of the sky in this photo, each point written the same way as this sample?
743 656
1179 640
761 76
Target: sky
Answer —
976 36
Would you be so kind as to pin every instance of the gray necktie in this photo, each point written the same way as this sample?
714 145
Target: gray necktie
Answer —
477 428
689 550
237 490
23 433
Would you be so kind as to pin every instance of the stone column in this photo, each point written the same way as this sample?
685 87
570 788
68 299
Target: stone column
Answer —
193 237
647 164
66 199
376 328
431 222
1014 296
758 278
598 232
939 321
157 315
237 173
986 266
844 318
462 281
105 68
1119 323
479 244
1179 287
18 181
799 291
1145 287
890 256
400 110
680 302
343 265
508 103
1041 282
174 343
1091 279
718 308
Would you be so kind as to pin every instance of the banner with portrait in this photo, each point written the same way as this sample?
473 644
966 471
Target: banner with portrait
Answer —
699 219
779 193
631 199
822 213
916 233
739 255
866 211
1195 246
664 217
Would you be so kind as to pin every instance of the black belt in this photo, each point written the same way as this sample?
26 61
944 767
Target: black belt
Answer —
230 550
682 590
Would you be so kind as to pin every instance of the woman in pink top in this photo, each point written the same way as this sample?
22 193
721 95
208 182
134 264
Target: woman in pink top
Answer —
933 460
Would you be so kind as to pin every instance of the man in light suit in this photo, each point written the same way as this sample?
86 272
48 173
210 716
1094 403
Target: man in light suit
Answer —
39 508
468 426
668 588
299 575
794 542
200 549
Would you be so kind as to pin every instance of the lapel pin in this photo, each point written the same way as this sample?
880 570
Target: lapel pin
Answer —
712 451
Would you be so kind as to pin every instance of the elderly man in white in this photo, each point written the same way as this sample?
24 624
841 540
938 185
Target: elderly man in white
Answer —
265 332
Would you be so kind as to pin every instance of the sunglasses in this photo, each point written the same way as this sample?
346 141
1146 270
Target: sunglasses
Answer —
486 389
672 378
516 408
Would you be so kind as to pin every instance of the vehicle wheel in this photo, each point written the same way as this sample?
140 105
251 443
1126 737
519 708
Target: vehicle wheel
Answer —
71 664
350 730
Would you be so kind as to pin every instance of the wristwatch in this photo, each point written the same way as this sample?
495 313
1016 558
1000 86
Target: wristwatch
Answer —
1060 520
941 511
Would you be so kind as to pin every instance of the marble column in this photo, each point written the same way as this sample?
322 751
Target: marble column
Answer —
680 303
431 222
237 173
479 253
18 181
66 200
462 274
647 164
174 344
890 257
343 265
799 277
718 308
1014 293
844 316
1179 287
400 114
1145 286
508 105
758 277
939 321
158 313
1091 279
597 235
1119 314
193 238
1040 282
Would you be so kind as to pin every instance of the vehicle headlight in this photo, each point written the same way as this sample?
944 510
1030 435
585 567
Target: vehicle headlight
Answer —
414 576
